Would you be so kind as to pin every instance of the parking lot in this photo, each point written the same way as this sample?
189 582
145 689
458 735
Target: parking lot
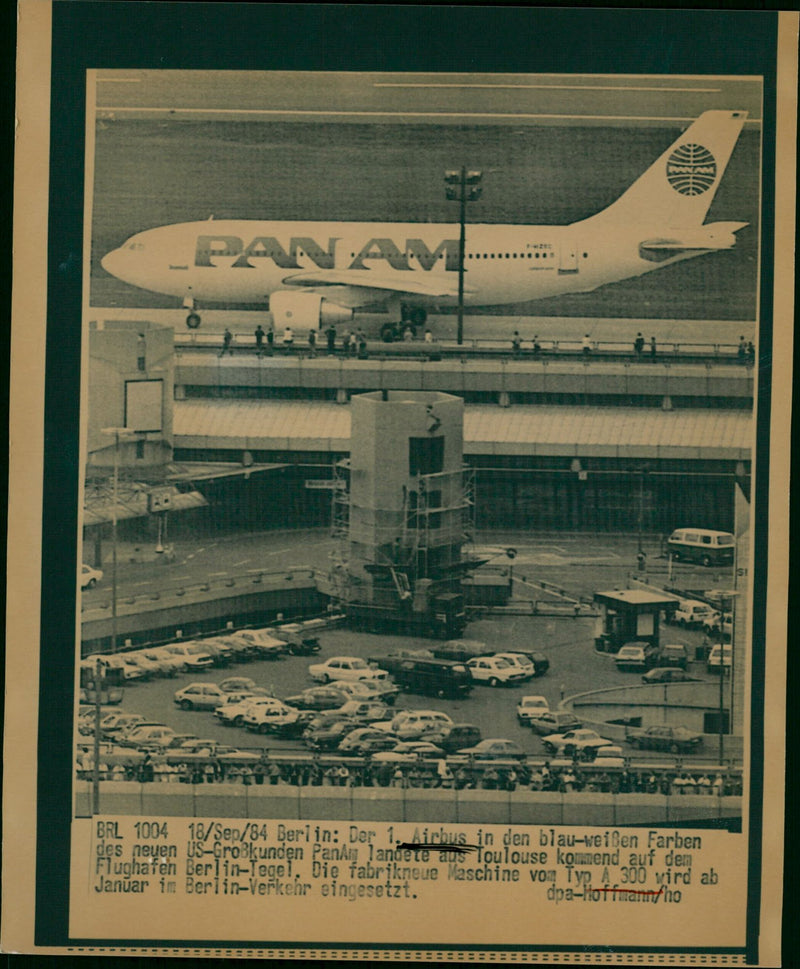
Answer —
575 667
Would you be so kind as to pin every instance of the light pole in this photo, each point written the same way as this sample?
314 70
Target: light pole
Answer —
463 187
98 680
116 431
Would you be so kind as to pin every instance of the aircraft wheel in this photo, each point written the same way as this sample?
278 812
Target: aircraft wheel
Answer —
388 332
193 321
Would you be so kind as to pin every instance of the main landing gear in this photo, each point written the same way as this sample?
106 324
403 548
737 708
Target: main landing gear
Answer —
412 317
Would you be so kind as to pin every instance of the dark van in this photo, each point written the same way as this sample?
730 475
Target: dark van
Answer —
436 677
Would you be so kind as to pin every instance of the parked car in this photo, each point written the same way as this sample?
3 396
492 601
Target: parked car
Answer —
237 684
366 740
271 719
611 756
489 669
298 637
725 651
582 742
675 740
319 698
692 614
415 724
455 737
163 655
461 650
262 643
203 750
200 696
232 714
409 752
153 735
193 656
327 736
233 647
366 710
531 706
634 657
556 721
674 654
541 664
125 669
719 623
345 668
320 721
495 749
520 662
220 652
394 660
383 690
90 577
115 724
668 674
154 664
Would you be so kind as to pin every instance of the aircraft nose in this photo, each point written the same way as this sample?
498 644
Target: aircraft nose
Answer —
110 261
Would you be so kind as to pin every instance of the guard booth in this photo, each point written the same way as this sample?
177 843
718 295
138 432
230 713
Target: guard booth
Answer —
630 615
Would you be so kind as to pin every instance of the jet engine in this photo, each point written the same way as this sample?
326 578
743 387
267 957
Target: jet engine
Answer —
306 310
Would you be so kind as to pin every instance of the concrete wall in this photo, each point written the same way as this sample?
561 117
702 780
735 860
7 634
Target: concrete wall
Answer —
398 804
120 351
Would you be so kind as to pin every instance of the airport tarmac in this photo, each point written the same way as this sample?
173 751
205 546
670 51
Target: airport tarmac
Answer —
164 167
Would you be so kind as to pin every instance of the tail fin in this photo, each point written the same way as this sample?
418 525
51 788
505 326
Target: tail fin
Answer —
678 189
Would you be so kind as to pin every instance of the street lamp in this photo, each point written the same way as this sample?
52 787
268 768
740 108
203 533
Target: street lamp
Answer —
116 432
462 186
726 603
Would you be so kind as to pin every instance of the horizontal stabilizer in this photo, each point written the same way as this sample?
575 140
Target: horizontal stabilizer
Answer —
718 235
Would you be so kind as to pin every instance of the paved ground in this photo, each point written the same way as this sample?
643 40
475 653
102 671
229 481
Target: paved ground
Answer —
581 564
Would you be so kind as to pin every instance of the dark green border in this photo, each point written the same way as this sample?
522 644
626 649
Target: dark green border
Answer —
330 37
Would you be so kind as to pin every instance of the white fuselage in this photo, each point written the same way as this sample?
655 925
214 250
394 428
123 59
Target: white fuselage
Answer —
246 261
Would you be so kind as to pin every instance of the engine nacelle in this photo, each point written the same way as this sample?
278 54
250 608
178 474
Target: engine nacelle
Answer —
306 310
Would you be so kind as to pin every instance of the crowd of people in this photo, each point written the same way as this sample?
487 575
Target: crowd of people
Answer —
353 343
576 777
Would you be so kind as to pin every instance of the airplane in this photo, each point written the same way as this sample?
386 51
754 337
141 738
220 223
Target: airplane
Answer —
314 274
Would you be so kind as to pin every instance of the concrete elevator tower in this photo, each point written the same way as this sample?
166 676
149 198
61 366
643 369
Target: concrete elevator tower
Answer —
405 514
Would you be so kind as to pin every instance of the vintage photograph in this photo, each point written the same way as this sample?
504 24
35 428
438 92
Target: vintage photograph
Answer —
398 504
419 421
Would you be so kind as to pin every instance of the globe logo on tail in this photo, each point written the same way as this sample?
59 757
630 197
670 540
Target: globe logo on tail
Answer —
691 169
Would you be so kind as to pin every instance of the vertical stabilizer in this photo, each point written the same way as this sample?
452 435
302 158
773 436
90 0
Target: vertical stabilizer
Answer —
679 188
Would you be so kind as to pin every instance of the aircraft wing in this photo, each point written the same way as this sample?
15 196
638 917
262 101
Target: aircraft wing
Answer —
368 280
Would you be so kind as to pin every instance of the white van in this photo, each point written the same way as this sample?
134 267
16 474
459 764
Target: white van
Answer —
701 545
692 613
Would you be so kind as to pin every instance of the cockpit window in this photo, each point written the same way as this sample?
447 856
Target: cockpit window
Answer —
136 246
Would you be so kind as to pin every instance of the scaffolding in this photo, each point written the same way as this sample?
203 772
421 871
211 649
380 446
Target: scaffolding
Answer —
391 556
